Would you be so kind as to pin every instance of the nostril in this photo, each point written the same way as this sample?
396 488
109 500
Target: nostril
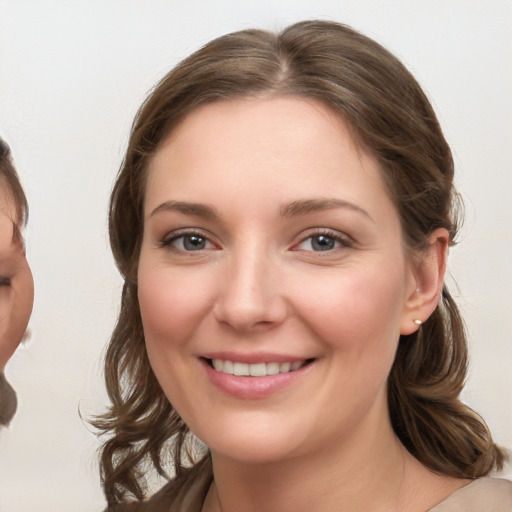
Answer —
246 315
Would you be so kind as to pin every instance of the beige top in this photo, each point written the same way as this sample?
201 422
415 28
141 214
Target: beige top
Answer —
481 495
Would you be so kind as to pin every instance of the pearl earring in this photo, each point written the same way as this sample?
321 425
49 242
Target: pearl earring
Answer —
418 322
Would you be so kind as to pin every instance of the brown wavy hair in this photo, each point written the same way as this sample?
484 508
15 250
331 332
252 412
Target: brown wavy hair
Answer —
391 118
9 178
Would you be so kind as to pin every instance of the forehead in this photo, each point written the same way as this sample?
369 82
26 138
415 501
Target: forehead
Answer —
257 115
8 206
276 147
7 228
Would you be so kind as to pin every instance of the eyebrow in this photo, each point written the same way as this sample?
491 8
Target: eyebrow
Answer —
293 209
303 207
186 208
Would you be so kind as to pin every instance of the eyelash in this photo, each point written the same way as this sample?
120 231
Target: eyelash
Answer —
168 241
5 281
343 241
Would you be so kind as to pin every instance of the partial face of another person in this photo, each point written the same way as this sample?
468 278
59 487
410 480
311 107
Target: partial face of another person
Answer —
273 280
16 284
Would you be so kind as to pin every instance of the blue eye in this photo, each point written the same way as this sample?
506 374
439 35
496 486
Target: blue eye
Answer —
193 242
189 242
319 243
322 242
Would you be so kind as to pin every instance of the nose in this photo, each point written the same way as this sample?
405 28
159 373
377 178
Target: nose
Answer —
251 297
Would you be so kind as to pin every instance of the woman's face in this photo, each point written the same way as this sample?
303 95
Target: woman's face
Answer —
271 248
16 284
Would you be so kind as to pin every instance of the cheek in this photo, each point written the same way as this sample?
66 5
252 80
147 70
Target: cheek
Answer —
356 318
356 310
172 304
15 310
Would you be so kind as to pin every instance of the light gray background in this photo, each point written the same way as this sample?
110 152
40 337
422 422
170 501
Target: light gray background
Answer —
73 72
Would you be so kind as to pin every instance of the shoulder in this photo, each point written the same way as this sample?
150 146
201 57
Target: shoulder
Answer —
484 494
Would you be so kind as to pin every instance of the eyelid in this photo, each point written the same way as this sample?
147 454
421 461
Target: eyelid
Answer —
169 238
5 281
344 239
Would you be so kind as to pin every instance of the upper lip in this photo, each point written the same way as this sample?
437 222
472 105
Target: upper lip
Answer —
253 358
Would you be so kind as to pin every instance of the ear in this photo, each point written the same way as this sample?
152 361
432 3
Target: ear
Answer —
428 269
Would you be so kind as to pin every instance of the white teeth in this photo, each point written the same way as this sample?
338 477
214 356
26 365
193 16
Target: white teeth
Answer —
285 367
227 367
255 370
272 368
241 369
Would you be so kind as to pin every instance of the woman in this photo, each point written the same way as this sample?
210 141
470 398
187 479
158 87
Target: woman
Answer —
282 219
16 284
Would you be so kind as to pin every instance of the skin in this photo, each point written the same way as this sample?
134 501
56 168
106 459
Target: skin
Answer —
258 288
16 283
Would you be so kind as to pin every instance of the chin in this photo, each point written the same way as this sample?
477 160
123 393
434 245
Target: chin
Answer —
254 453
259 444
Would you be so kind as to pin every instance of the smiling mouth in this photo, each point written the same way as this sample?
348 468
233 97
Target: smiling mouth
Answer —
257 369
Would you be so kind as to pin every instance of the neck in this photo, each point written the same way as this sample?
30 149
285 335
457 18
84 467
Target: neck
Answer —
365 472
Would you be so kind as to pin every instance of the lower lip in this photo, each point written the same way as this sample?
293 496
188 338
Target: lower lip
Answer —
251 388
